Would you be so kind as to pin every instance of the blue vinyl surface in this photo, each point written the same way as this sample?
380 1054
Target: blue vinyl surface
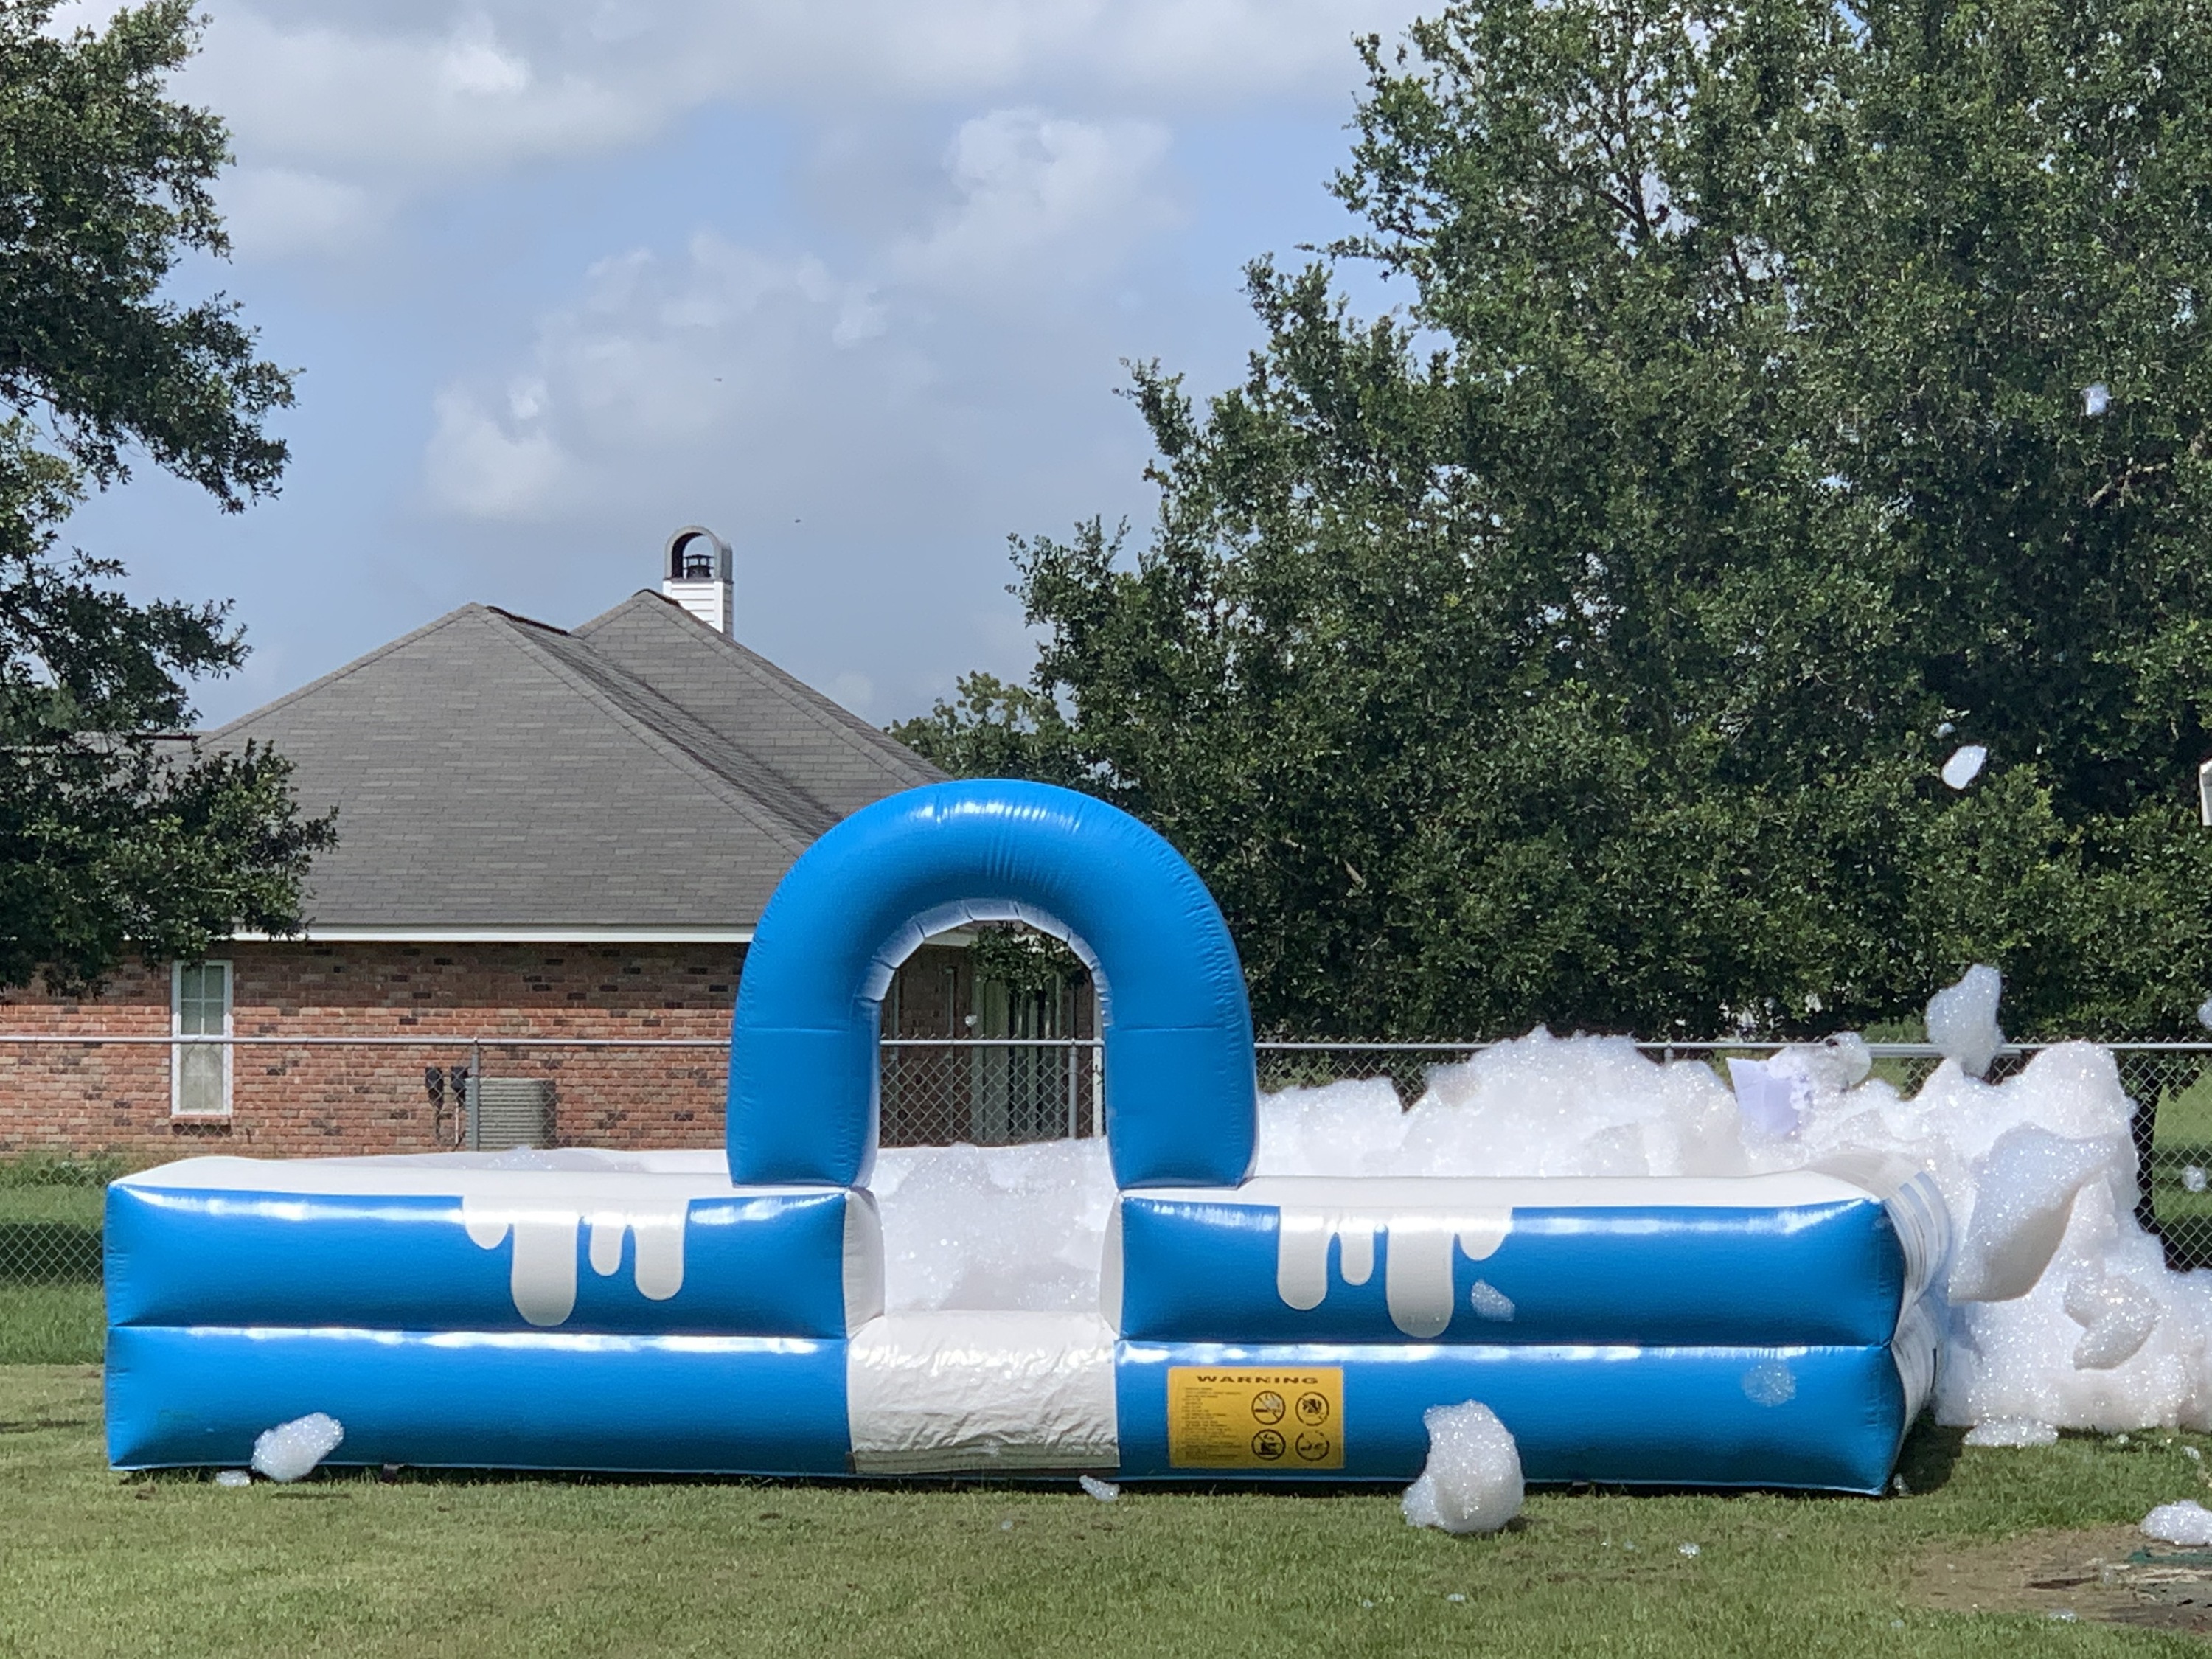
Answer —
465 1400
1824 1274
1181 1093
1615 1415
762 1265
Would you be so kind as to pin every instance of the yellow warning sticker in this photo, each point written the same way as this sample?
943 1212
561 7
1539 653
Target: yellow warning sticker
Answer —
1255 1417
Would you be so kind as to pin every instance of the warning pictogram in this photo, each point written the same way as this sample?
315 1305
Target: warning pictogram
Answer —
1226 1416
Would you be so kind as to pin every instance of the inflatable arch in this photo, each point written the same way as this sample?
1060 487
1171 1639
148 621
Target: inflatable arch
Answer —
1180 1089
724 1312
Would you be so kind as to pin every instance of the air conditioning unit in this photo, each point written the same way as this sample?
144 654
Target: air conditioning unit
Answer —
507 1112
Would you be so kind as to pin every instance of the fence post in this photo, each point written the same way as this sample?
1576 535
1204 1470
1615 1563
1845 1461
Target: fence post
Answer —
1067 1061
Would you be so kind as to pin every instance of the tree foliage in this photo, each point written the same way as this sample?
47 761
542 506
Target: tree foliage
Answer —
111 838
1786 395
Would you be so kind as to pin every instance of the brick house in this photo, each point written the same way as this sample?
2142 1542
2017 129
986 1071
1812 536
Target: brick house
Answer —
560 836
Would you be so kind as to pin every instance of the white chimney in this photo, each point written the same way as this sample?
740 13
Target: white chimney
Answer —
696 575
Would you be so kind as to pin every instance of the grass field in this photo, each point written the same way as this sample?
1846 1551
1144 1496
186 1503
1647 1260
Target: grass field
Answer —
93 1563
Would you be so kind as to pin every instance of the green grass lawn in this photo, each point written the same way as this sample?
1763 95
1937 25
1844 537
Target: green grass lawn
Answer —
95 1563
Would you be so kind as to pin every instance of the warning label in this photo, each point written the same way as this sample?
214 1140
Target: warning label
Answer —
1254 1416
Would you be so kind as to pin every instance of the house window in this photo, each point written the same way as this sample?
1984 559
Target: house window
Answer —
199 1005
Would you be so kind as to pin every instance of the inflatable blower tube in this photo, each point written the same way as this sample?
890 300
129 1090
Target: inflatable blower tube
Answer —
1180 1101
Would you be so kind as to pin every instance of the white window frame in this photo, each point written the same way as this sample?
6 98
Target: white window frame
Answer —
177 1107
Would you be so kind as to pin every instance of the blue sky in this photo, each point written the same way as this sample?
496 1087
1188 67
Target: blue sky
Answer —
848 282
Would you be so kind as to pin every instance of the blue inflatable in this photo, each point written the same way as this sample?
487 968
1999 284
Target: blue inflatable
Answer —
1178 1032
689 1312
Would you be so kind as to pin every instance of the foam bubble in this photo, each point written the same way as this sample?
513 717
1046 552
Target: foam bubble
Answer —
1471 1481
290 1451
1962 1019
993 1227
1965 764
2012 1432
2120 1314
2186 1523
1490 1303
2023 1196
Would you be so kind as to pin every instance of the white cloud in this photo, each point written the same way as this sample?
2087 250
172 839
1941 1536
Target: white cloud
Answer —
1033 187
474 65
418 96
273 212
481 470
418 110
657 358
728 360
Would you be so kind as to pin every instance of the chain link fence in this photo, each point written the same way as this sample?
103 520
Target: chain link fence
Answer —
499 1091
989 1092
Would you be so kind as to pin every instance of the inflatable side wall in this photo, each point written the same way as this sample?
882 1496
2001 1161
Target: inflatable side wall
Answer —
597 1311
1759 1331
686 1312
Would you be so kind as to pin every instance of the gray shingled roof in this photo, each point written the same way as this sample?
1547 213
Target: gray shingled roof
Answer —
642 772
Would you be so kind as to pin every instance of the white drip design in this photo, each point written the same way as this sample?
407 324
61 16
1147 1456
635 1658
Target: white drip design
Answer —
542 1279
1416 1276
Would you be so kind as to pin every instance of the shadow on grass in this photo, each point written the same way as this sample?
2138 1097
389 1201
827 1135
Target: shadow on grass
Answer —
1926 1464
1930 1453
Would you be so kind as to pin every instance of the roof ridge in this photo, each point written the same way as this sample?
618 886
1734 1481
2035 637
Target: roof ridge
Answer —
760 814
451 617
527 622
823 711
700 740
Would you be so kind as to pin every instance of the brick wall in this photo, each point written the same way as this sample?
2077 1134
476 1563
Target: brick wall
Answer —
295 1101
83 1098
287 1101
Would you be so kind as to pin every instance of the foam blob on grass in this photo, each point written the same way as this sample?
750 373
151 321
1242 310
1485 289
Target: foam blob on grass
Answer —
1471 1481
290 1451
2012 1432
2186 1523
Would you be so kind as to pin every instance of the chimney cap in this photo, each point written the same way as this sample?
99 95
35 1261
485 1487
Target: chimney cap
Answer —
685 557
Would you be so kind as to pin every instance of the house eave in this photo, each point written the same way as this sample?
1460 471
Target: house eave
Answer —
567 933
